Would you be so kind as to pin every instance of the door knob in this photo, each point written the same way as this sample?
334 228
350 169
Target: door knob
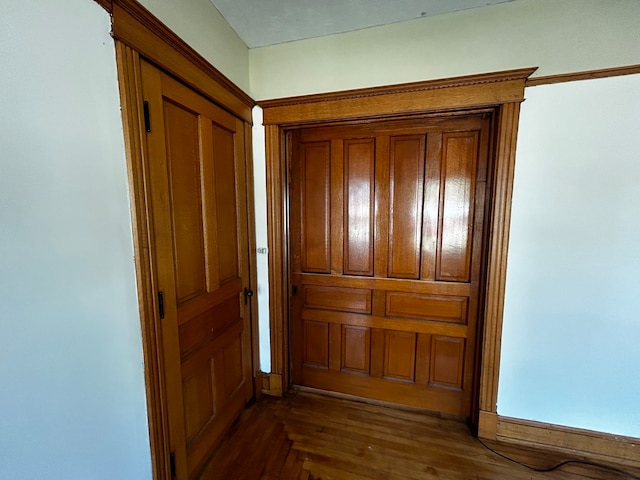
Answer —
247 293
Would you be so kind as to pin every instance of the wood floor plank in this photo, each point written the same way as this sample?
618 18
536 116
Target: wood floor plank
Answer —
307 436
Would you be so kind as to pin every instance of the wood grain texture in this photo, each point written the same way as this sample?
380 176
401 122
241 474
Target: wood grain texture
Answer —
599 446
359 183
287 115
406 183
137 27
356 344
393 297
586 75
436 95
315 199
128 63
276 236
253 275
206 342
141 35
459 160
308 436
336 298
497 255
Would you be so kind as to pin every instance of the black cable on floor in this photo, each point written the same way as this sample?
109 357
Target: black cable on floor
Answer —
565 462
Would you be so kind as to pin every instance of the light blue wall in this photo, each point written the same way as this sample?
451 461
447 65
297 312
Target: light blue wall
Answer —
72 396
571 339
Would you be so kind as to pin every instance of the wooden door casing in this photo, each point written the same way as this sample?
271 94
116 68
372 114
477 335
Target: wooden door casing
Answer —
201 260
386 223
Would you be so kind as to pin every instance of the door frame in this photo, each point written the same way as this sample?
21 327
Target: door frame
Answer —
140 35
500 91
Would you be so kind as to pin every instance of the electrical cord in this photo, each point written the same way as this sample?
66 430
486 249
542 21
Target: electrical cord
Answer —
561 464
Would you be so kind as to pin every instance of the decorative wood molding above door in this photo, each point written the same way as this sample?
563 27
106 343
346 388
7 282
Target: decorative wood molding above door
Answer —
500 93
136 27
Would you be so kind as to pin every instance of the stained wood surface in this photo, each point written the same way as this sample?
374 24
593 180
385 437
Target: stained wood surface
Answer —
201 256
386 258
135 26
309 436
430 96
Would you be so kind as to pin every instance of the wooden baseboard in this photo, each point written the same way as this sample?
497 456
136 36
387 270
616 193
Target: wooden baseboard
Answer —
596 446
272 384
488 425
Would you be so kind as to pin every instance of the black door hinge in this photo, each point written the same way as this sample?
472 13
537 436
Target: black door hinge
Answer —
294 290
161 304
147 119
172 464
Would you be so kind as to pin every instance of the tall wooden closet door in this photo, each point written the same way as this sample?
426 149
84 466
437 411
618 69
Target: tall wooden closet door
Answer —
200 252
386 255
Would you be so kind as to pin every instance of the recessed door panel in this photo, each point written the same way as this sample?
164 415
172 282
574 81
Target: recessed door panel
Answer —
198 209
459 153
359 162
406 177
388 307
316 205
184 164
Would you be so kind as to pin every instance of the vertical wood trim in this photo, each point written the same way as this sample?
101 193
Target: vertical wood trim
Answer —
431 206
488 425
498 247
253 261
129 79
381 213
277 222
244 201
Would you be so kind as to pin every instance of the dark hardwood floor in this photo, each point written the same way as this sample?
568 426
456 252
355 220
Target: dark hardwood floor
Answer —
306 436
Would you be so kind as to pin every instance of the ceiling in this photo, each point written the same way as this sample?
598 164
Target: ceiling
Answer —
267 22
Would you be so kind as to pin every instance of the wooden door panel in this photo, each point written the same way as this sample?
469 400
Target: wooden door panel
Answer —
359 176
207 326
225 196
447 361
196 156
355 348
198 393
459 154
407 160
316 207
390 312
335 298
316 343
428 307
184 164
400 355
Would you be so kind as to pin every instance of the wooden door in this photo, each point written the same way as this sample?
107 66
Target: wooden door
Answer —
200 254
386 259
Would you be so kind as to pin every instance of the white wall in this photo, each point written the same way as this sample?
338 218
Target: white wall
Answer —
200 24
570 351
558 36
72 391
